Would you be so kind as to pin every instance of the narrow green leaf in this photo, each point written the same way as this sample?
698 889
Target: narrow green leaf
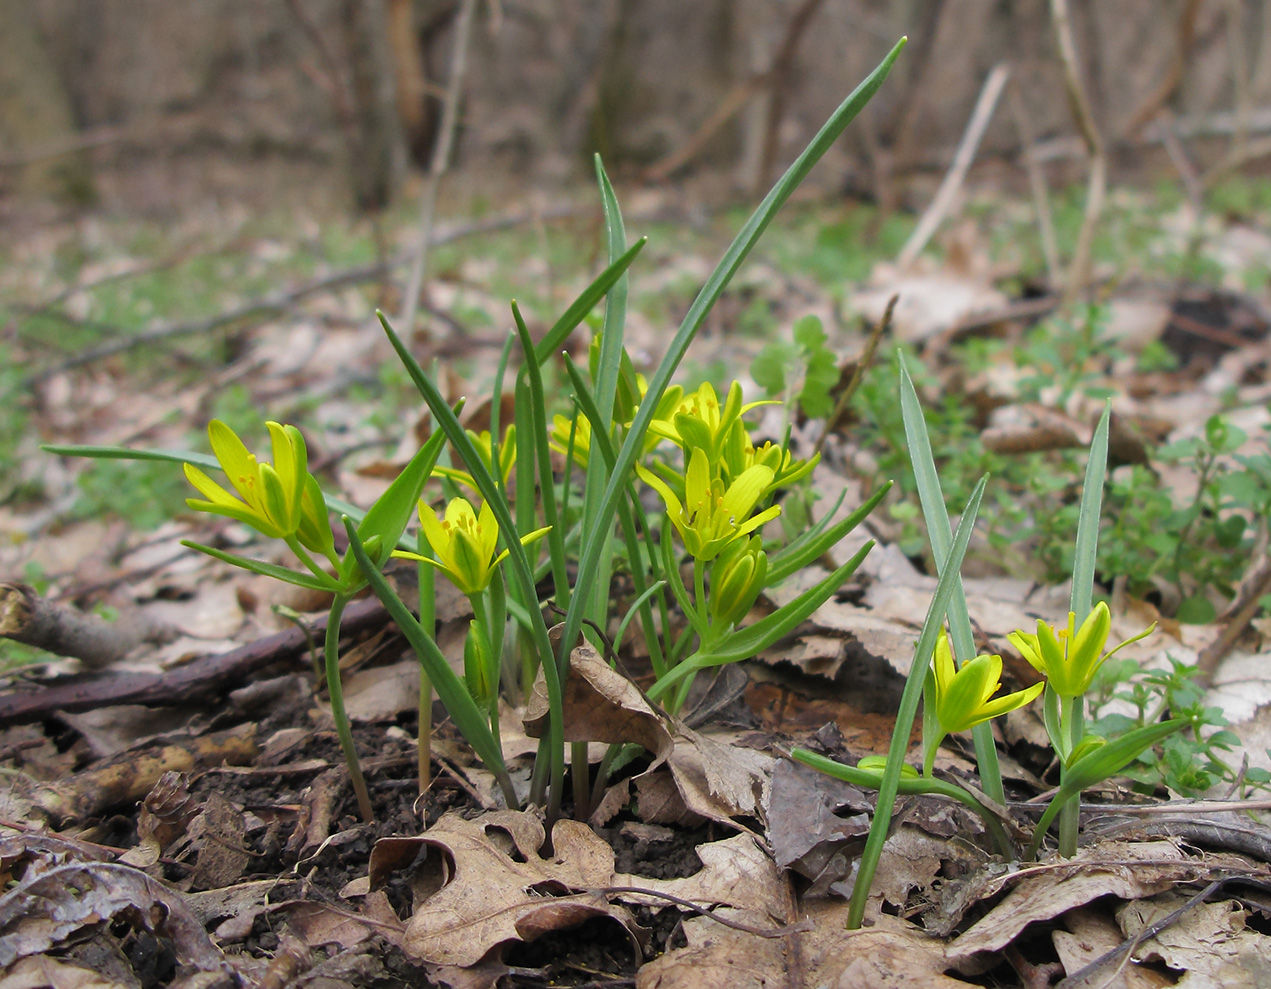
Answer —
1107 760
459 704
1087 546
494 496
923 651
297 577
746 238
204 460
814 543
392 510
585 303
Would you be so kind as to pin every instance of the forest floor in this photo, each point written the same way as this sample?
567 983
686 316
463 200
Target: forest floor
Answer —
180 814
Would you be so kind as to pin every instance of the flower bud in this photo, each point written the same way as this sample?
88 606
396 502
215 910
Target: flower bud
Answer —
477 667
737 577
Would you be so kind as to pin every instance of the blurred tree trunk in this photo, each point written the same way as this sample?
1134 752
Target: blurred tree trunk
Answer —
35 112
378 159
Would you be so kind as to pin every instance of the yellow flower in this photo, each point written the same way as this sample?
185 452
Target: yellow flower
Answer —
465 544
1070 658
558 439
281 500
963 698
482 441
713 514
701 422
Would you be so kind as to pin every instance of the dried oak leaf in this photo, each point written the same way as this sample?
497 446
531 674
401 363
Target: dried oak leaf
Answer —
490 885
42 912
1128 870
715 778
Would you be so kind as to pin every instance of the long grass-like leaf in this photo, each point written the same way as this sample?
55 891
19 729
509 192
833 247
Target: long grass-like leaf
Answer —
1089 516
802 551
286 574
494 496
890 783
463 710
585 303
745 240
940 533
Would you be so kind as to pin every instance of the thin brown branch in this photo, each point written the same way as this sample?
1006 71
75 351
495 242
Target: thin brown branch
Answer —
1173 74
204 677
66 631
1096 186
439 163
962 158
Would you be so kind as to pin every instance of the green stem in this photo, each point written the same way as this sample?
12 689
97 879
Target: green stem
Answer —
302 555
342 728
1072 724
428 621
910 784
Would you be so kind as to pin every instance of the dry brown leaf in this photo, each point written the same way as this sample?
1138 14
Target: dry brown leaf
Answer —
1091 934
43 972
600 705
721 956
717 778
736 873
1124 869
41 913
811 816
500 888
890 954
1211 942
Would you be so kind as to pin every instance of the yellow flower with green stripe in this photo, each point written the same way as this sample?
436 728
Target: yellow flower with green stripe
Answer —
279 499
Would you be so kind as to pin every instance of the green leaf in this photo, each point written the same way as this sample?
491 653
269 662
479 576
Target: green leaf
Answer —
809 334
1087 544
801 552
389 516
889 786
769 367
748 642
463 710
297 577
204 460
632 447
585 303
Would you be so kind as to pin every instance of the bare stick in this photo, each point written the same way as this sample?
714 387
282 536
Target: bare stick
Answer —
200 679
1037 185
1173 74
57 628
1096 186
779 87
956 174
437 166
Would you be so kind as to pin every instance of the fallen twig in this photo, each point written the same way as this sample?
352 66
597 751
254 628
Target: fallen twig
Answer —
1096 186
962 158
199 679
66 631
